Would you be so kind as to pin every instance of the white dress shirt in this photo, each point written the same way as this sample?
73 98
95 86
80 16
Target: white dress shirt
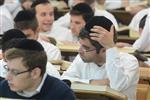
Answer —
6 20
120 68
53 52
114 4
143 43
134 24
12 6
57 32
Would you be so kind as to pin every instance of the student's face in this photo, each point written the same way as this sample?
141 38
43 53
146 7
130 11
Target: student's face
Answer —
77 23
45 16
21 81
88 52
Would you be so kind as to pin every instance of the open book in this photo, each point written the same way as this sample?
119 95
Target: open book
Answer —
104 90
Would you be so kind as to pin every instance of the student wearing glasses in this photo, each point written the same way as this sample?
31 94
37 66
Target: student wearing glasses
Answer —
26 77
100 63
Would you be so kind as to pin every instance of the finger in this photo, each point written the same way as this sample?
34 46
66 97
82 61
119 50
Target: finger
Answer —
94 34
97 37
99 29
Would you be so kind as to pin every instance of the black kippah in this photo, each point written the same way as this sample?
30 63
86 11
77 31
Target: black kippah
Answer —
37 2
11 34
29 44
24 15
99 21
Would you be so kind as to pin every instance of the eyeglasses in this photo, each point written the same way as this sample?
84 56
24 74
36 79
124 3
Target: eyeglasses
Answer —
15 72
86 50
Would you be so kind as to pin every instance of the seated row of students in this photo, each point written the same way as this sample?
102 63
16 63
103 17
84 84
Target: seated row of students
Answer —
98 63
47 27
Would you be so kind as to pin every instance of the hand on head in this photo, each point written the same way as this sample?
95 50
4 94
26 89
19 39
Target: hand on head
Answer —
104 37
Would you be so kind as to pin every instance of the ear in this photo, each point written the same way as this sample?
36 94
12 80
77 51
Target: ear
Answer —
35 74
3 57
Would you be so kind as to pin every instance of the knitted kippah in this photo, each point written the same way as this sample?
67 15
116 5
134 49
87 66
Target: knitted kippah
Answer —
29 44
24 15
99 21
37 2
11 34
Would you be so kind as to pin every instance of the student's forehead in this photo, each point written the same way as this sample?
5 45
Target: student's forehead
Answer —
44 7
77 17
85 42
15 63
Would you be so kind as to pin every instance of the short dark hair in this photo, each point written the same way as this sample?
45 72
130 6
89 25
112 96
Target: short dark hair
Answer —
37 2
26 19
1 2
99 21
84 10
31 57
22 1
9 35
142 22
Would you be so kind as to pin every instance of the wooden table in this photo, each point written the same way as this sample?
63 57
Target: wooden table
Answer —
143 92
131 50
86 91
126 39
144 73
67 50
125 34
122 16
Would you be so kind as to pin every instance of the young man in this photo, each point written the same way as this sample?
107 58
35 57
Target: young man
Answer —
100 63
6 20
8 44
80 14
26 21
26 77
45 16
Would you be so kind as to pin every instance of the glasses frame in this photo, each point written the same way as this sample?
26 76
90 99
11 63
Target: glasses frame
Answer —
16 73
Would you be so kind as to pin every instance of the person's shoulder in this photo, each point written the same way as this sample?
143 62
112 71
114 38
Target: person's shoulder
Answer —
128 57
55 82
3 86
3 83
48 45
57 89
